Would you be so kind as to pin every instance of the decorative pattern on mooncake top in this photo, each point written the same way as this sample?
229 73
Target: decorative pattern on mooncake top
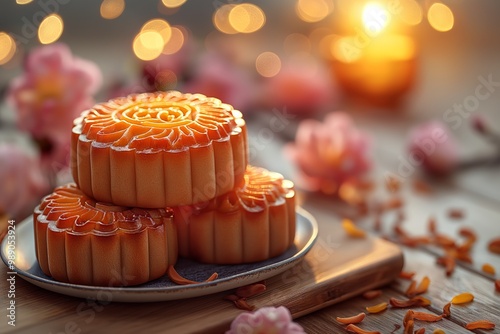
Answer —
159 149
253 222
81 241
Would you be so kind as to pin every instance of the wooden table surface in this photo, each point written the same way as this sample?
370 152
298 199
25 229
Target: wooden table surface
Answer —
475 192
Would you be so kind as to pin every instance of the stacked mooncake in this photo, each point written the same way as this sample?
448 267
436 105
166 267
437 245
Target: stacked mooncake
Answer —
157 175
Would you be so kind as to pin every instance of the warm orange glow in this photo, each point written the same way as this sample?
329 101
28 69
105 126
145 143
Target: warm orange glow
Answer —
176 41
221 19
159 26
440 17
111 9
246 18
411 12
268 64
50 29
23 2
313 10
375 18
173 3
148 45
390 48
297 43
7 48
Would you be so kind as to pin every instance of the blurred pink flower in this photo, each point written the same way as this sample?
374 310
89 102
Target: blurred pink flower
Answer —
302 88
265 320
216 76
53 90
432 146
22 181
329 153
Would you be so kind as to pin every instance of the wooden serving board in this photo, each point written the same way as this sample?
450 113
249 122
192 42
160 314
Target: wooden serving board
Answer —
336 268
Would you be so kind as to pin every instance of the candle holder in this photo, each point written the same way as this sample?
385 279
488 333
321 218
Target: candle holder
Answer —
379 71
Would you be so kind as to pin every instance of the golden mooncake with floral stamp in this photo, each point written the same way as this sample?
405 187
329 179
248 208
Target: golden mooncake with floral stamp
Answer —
253 222
161 149
82 241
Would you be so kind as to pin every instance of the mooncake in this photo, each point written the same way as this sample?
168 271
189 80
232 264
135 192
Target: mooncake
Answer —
156 150
253 222
83 241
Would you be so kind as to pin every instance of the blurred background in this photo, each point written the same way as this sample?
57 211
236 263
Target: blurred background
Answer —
389 64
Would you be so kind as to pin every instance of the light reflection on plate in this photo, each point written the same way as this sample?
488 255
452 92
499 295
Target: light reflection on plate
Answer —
230 276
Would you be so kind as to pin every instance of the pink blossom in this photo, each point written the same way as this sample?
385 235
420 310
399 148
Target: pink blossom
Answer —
53 90
432 146
265 320
218 77
329 153
302 88
22 181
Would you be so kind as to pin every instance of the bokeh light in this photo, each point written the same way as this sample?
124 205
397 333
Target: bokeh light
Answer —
50 29
159 26
23 2
173 3
411 12
440 17
148 45
111 9
221 19
375 18
7 48
176 41
246 18
313 10
268 64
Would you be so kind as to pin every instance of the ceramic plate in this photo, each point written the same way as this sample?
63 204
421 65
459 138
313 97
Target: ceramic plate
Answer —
161 289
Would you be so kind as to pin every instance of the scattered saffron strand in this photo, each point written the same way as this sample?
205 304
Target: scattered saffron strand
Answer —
178 279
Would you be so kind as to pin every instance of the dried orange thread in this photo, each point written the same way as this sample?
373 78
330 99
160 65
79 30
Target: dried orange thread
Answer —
420 331
467 233
408 317
250 290
410 292
352 230
355 329
406 274
431 225
178 279
497 285
242 304
352 320
415 301
429 317
494 246
456 213
423 286
377 308
462 298
480 324
447 310
448 263
444 240
488 268
409 327
372 294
